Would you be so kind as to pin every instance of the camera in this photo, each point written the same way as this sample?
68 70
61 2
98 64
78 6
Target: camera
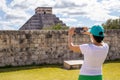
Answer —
79 30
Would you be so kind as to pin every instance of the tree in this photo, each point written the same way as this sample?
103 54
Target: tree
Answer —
112 24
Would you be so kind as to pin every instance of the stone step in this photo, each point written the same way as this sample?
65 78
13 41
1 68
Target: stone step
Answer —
73 64
42 20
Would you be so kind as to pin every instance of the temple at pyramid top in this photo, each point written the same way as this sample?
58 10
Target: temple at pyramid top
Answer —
43 10
43 17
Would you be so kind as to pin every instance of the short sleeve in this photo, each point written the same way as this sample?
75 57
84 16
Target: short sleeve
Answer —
107 46
84 48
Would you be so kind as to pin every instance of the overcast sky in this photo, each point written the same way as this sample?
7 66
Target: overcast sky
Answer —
14 13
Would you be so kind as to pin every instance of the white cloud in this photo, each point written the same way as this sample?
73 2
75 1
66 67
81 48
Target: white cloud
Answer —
111 4
16 14
68 20
31 4
6 25
5 22
97 23
2 4
22 4
64 4
11 24
80 24
13 17
7 28
91 9
96 11
69 10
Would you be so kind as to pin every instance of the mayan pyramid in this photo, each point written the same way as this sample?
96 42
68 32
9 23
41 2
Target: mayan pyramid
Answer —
43 17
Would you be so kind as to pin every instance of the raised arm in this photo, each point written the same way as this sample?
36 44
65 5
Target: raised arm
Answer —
74 48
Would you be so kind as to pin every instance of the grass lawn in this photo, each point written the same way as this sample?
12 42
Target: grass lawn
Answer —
111 71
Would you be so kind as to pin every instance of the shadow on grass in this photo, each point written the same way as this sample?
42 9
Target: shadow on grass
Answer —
114 61
12 69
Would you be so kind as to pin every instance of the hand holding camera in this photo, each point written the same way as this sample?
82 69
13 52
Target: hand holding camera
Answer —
78 30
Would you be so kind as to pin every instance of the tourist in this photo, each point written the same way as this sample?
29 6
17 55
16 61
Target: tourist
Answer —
94 53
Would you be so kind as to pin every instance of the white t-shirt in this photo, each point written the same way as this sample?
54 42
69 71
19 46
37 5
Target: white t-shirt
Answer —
94 56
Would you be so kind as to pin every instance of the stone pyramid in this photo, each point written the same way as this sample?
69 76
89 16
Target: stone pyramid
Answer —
43 17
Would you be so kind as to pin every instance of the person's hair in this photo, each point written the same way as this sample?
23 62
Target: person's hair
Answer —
98 38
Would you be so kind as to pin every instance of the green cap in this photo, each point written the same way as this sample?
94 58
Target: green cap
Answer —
97 30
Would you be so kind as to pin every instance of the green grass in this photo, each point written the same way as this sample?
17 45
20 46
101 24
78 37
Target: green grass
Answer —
111 71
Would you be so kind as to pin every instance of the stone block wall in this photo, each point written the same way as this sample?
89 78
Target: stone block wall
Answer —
18 48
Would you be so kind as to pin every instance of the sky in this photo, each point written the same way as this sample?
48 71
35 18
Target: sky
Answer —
75 13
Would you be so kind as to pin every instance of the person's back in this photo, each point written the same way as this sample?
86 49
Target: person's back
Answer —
94 53
94 56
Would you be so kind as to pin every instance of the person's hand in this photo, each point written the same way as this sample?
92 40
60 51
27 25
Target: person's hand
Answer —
86 31
71 31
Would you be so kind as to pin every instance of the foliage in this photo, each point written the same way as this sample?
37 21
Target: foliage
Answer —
112 24
56 27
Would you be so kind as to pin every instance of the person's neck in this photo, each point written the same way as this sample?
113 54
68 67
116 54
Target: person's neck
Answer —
97 44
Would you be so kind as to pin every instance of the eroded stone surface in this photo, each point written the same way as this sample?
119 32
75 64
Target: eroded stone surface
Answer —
19 48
